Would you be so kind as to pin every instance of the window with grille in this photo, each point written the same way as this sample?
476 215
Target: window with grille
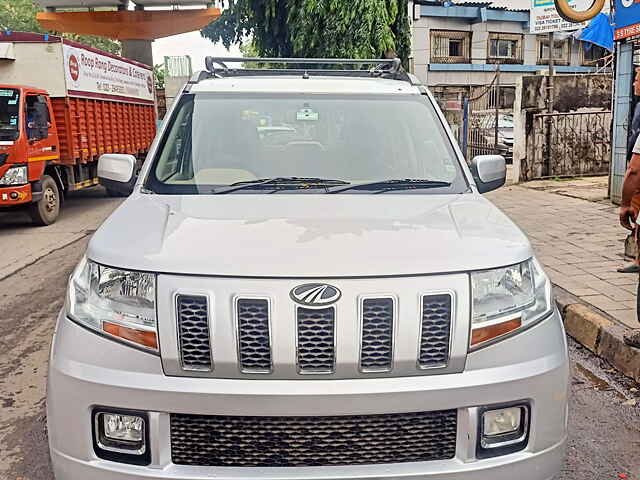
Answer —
593 55
505 48
450 46
561 52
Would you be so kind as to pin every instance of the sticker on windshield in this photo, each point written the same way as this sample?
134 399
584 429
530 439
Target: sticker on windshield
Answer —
307 115
6 92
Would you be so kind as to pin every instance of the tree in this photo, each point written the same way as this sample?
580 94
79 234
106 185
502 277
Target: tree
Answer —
159 74
316 28
20 16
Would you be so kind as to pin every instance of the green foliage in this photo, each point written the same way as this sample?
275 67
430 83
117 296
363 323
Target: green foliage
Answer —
20 16
159 74
316 28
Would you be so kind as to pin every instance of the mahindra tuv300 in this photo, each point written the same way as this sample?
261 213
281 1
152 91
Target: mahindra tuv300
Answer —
306 283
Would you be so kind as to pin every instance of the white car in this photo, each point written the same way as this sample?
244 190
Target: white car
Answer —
341 305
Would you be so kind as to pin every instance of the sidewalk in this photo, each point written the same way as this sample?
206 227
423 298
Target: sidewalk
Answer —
581 244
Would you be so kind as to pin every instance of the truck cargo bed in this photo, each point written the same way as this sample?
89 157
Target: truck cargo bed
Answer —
87 128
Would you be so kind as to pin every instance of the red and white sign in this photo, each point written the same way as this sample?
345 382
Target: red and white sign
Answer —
626 32
93 74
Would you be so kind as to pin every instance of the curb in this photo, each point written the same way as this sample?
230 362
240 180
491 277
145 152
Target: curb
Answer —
598 334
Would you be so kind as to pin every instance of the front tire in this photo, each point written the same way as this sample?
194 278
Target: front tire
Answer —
46 210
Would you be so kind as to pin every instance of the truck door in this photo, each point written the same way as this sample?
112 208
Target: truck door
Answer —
41 136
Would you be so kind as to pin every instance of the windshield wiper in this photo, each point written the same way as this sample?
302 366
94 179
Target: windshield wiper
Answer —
394 185
285 182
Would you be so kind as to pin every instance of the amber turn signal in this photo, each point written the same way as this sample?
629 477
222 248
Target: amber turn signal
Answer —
141 337
484 334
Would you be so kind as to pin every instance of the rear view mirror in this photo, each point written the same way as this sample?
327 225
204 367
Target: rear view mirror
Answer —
116 172
489 172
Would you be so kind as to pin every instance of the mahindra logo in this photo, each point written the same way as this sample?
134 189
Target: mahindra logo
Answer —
315 295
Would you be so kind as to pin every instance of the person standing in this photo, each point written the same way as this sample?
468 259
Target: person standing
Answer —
631 188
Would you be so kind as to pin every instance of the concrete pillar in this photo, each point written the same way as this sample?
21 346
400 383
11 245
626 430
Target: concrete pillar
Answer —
138 50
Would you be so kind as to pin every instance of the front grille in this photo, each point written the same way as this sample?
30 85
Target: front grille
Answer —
316 340
435 331
377 334
233 441
254 343
193 333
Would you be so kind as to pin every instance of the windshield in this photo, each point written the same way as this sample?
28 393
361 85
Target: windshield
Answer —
302 143
9 111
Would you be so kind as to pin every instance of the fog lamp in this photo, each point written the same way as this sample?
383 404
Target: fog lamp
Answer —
502 422
121 436
124 428
503 430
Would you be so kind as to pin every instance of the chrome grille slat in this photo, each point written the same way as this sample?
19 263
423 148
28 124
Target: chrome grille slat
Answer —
316 340
376 354
194 333
435 331
238 441
254 336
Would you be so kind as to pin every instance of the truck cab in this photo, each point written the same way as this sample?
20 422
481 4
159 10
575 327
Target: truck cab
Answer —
28 145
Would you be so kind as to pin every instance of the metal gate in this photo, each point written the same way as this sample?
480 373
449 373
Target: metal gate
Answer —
484 114
569 144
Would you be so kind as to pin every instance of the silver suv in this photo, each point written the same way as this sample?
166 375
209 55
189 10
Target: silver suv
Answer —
306 283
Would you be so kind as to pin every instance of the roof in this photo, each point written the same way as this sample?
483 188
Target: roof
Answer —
511 5
296 84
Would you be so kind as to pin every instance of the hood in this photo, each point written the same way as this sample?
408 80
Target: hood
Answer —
307 236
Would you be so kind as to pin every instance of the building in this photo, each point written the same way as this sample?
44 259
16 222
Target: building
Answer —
458 46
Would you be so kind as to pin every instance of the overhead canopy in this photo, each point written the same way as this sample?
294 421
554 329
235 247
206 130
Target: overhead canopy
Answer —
127 24
118 3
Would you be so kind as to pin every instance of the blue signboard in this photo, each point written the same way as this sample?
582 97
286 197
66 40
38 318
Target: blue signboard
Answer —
627 19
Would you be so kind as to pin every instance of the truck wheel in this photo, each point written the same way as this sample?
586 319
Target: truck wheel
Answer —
46 211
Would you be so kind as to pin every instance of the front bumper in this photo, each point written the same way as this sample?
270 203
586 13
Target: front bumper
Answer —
87 370
15 195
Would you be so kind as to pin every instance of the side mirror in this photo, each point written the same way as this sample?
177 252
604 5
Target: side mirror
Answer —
116 172
489 172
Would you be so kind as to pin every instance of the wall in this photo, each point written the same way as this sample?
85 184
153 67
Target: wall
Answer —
172 87
571 93
580 132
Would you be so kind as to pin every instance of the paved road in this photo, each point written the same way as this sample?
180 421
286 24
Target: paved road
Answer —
22 244
605 433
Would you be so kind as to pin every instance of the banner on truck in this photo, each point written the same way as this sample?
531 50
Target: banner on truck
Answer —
545 18
92 74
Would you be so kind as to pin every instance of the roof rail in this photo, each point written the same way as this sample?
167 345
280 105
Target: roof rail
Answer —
217 67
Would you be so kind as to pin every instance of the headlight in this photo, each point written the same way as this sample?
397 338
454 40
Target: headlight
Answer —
117 303
15 176
508 299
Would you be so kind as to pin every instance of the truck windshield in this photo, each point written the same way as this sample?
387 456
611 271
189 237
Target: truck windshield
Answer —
302 143
9 114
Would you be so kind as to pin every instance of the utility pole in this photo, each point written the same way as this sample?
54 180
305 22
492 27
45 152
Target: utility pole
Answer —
497 102
550 105
552 72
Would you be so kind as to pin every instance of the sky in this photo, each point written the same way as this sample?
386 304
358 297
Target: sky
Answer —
191 44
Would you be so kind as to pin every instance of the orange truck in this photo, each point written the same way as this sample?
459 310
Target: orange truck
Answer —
62 105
